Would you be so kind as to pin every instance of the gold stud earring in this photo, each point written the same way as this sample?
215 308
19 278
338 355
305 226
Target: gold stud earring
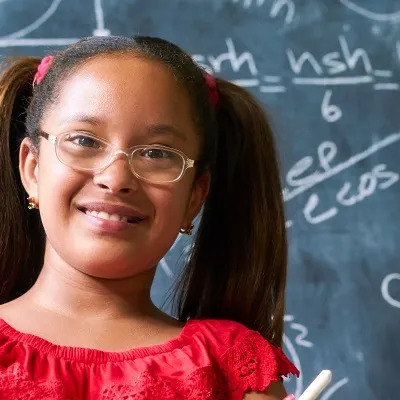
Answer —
33 203
187 231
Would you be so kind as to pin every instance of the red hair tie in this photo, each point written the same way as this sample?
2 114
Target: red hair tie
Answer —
212 88
42 69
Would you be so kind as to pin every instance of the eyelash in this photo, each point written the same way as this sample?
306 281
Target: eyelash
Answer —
150 143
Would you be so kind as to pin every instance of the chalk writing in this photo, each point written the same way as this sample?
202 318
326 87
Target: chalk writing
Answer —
381 17
231 57
385 289
36 24
278 7
303 184
294 356
330 112
100 28
235 60
333 63
378 178
311 61
307 70
398 50
334 388
164 265
303 331
369 183
18 38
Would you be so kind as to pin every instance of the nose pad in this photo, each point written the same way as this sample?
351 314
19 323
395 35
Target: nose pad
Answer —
122 152
117 176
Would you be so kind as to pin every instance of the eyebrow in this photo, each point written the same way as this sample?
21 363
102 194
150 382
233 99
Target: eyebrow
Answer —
156 129
152 129
82 118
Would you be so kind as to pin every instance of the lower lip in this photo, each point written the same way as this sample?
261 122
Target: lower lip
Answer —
106 225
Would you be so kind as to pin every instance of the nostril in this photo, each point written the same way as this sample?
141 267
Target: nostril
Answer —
122 190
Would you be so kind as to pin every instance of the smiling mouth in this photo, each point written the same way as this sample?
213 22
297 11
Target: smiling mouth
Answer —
110 217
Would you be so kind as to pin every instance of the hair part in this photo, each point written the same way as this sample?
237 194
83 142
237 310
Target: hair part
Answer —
237 269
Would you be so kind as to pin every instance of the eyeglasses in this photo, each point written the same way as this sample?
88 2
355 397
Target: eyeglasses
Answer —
86 152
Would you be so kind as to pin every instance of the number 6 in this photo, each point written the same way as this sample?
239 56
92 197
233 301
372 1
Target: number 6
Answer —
330 112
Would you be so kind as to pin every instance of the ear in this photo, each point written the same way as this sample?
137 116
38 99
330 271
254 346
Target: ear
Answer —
28 168
199 194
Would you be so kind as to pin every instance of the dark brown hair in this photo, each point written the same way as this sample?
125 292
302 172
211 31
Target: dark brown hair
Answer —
237 269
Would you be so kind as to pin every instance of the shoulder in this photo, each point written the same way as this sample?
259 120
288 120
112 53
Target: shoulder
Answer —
218 329
220 335
248 362
231 343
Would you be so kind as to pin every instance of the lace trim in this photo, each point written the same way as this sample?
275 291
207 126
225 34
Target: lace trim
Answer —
253 363
202 384
16 384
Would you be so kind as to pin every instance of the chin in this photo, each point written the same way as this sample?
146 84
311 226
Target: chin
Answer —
113 268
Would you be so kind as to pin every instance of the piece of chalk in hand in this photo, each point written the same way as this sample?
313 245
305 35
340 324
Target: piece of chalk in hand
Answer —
317 386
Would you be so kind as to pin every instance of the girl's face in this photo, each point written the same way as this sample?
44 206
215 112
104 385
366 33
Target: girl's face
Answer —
128 101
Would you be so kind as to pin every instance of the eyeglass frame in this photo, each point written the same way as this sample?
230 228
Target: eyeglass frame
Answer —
128 151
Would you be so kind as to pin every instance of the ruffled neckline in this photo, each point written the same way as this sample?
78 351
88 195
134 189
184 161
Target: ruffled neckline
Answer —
88 355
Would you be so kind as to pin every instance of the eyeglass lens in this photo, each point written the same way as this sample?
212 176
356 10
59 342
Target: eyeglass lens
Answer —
153 163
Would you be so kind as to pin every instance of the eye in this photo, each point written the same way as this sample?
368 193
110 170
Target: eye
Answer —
155 153
86 141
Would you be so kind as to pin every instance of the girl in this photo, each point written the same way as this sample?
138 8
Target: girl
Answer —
120 143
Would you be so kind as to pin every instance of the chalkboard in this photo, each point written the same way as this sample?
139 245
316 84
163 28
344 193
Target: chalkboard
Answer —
329 72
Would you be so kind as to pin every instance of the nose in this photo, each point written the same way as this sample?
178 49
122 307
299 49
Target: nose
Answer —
117 177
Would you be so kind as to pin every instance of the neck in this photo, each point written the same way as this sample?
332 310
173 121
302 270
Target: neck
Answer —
69 292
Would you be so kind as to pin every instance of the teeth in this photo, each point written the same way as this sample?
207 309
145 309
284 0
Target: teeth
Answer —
104 215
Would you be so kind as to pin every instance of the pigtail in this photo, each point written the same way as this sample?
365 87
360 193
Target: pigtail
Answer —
21 234
237 269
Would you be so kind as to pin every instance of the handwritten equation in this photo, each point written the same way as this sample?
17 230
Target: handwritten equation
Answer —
304 175
338 68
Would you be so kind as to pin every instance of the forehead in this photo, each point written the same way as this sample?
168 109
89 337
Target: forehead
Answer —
123 91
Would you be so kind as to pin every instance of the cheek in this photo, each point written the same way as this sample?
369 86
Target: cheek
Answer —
57 186
170 204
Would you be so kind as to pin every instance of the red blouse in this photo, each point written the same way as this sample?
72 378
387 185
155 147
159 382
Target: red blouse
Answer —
209 360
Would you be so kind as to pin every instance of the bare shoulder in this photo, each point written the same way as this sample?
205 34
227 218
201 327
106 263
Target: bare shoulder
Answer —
7 309
14 312
275 391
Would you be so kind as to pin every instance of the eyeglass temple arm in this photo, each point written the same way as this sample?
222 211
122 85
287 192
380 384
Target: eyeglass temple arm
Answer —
52 139
44 134
190 163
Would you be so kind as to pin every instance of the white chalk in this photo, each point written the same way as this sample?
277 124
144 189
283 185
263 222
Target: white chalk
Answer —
317 386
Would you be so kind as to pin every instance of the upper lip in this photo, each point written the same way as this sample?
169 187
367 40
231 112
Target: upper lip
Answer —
119 209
